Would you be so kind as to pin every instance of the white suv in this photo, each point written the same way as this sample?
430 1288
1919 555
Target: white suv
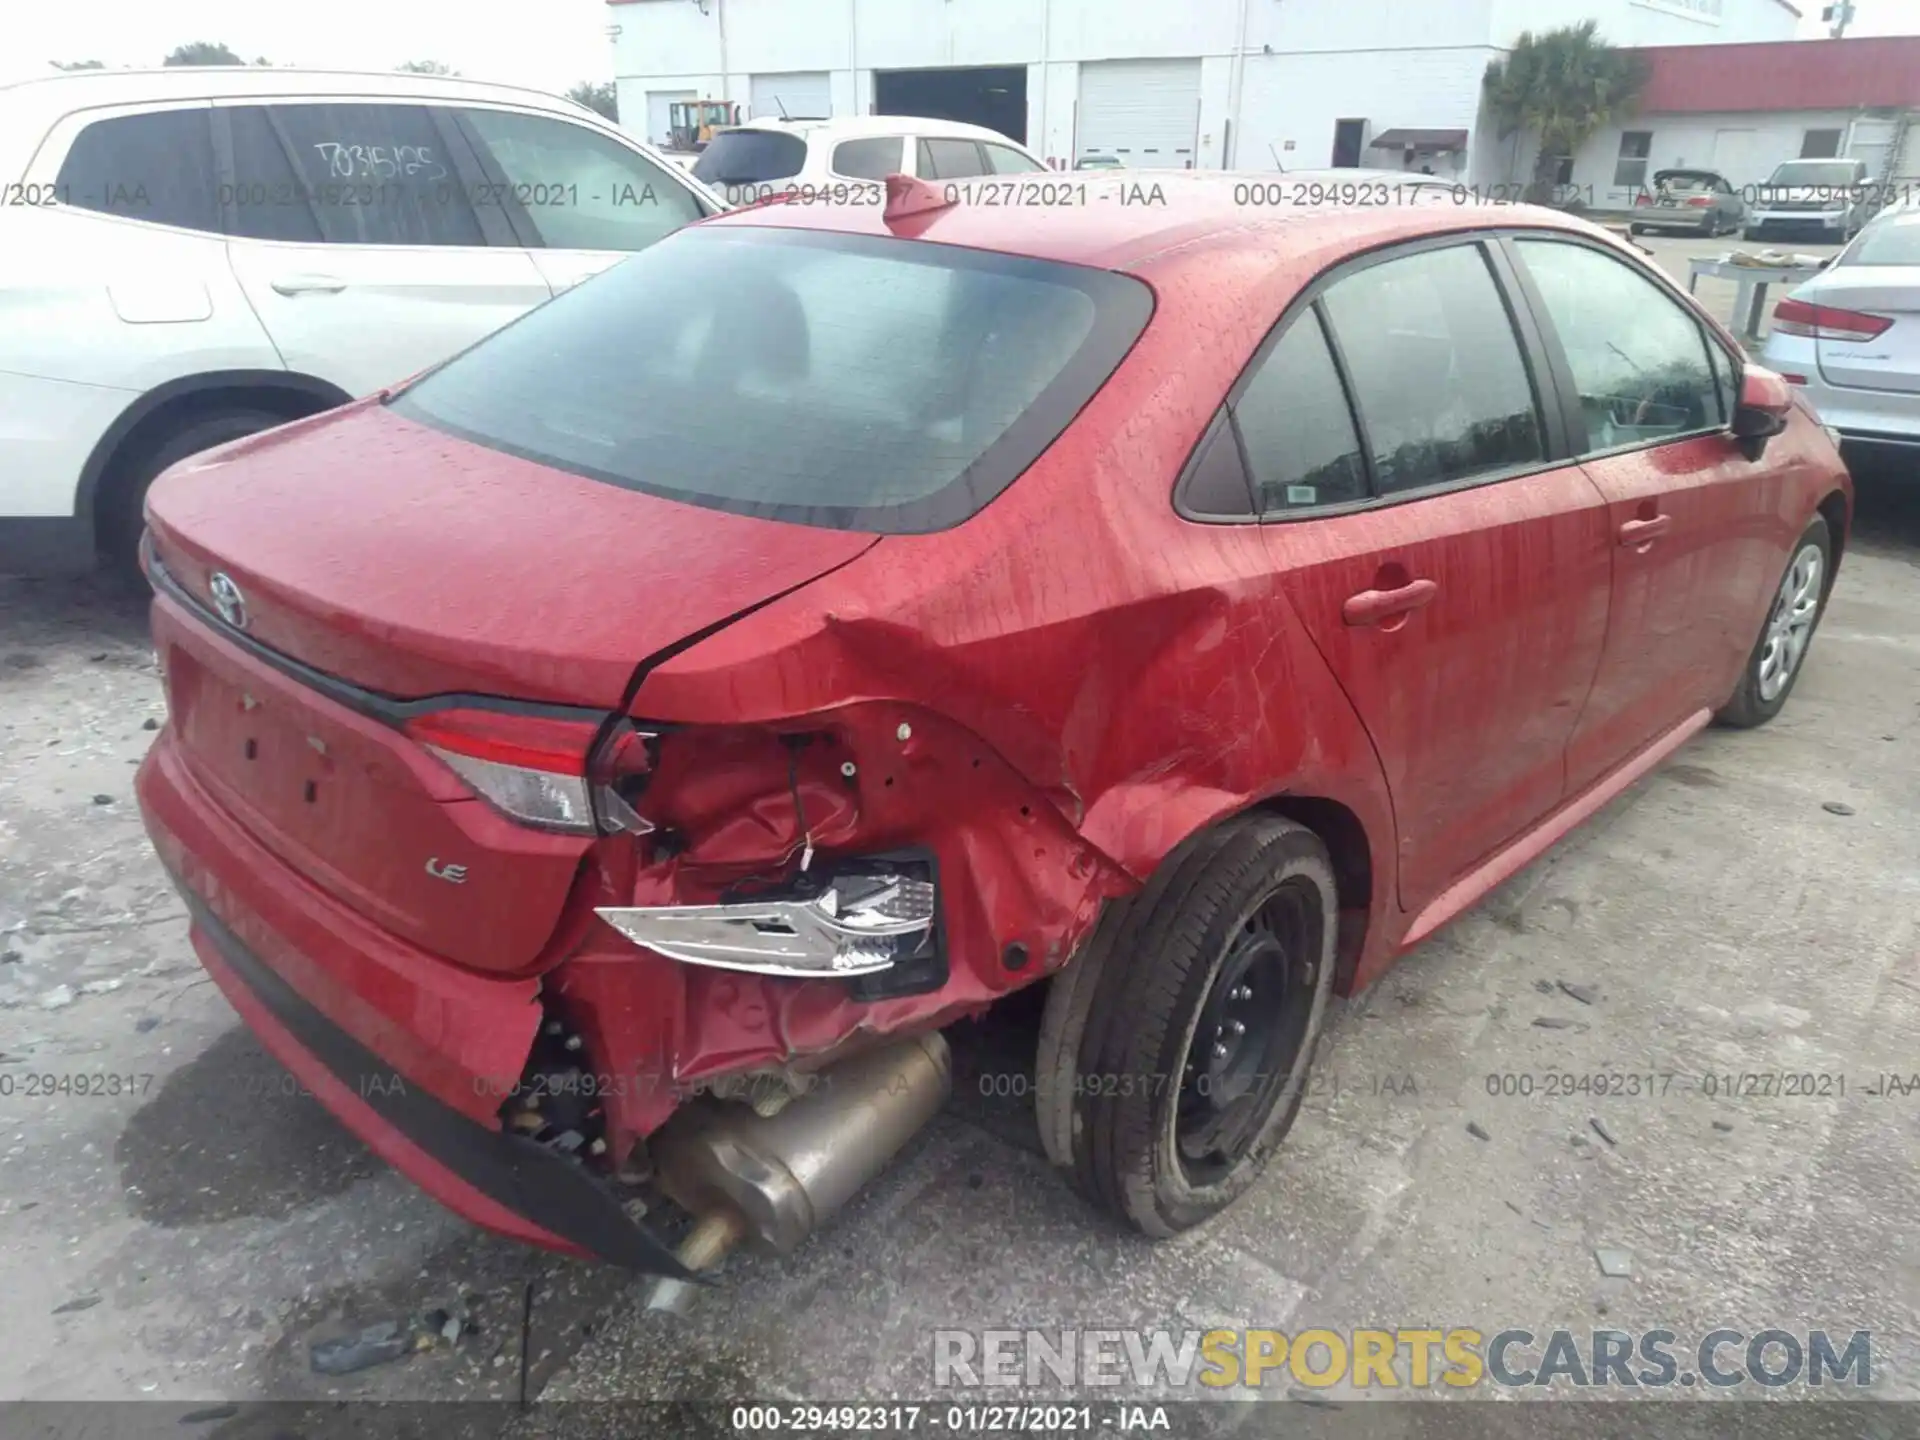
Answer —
822 157
195 254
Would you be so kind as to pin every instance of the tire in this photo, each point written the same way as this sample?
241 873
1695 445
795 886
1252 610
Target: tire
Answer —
1636 229
121 518
1243 910
1749 233
1763 690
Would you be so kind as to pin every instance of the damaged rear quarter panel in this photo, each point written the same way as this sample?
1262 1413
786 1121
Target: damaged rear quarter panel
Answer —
1087 679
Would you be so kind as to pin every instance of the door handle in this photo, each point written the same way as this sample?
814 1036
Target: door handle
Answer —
308 285
1370 607
1643 532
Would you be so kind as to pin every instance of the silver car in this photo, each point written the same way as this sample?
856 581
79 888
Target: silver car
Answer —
1701 201
1814 199
1851 336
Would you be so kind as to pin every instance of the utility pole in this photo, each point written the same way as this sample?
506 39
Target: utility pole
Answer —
1838 17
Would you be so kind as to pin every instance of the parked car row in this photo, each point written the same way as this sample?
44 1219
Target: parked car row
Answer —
1802 199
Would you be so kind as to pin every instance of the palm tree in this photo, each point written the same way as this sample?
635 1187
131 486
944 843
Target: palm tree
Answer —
1563 85
425 67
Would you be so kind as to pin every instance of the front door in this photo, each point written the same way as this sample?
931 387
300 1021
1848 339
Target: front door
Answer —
1690 537
363 239
1451 573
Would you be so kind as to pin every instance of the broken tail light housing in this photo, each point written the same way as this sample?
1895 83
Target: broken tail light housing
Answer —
1827 322
540 769
845 919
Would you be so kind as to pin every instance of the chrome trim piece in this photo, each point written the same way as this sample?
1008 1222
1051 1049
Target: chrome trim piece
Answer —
848 929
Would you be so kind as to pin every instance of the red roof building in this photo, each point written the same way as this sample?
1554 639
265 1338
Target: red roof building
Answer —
1863 74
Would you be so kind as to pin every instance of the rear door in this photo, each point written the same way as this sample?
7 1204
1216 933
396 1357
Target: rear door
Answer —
581 200
1448 563
1690 537
366 240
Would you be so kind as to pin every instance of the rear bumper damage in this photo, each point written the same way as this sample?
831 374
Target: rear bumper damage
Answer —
411 1057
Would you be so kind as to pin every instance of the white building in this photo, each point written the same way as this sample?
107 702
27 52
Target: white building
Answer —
1244 84
1743 109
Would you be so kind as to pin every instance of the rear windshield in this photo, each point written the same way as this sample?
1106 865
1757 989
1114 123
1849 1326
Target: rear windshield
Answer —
750 157
1892 242
1684 182
852 382
1816 172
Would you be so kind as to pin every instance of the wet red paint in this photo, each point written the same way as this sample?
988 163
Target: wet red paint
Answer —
1082 679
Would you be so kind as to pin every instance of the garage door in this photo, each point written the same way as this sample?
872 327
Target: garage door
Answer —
804 94
660 105
1144 113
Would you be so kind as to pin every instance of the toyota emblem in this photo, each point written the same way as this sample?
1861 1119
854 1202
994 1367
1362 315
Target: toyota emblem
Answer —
227 599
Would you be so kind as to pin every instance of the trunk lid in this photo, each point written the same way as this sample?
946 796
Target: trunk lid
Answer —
408 564
1889 361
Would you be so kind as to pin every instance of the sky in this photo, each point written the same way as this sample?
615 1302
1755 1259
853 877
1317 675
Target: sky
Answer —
551 44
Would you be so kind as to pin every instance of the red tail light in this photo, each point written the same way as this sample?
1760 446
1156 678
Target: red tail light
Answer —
1701 202
1824 322
541 769
532 768
1643 198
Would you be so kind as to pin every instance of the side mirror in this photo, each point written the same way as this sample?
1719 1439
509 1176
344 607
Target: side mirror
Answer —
1765 402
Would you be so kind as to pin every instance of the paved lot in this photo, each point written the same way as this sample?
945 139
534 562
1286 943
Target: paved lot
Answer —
187 1241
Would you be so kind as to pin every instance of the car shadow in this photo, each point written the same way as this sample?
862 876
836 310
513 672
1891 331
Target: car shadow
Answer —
233 1134
44 612
1887 501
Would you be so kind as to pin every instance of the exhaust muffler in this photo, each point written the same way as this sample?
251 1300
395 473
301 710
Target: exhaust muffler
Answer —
774 1178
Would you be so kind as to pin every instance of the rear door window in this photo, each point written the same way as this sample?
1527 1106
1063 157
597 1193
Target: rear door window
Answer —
1300 440
155 166
574 188
855 382
950 159
1436 369
357 174
872 158
751 157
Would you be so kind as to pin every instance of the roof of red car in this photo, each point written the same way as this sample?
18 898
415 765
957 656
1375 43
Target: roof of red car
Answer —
1125 221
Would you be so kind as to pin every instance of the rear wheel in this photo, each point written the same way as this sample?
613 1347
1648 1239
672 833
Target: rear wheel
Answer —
1175 1050
124 498
1787 634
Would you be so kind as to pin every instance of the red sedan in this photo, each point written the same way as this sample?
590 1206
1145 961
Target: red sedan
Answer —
599 767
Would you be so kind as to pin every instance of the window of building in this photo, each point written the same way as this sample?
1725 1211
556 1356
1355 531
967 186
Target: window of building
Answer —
1820 145
1630 170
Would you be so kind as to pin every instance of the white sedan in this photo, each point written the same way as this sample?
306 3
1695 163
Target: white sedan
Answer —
1850 337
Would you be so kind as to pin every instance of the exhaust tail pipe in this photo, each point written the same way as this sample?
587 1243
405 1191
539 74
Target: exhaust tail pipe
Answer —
773 1179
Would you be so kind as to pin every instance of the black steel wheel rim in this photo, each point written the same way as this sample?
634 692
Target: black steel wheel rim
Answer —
1251 1034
